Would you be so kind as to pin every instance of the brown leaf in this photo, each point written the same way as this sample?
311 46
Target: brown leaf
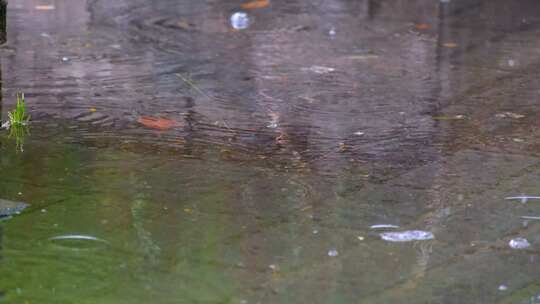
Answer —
421 26
158 123
255 4
450 45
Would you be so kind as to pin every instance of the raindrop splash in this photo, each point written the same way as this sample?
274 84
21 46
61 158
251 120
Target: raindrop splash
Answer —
523 198
407 236
333 253
383 226
519 243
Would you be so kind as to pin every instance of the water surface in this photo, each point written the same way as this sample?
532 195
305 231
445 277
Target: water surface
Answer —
174 157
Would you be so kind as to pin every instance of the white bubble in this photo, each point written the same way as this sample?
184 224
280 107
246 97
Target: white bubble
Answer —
240 20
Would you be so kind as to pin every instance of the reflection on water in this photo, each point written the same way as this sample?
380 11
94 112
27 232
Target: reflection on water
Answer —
301 135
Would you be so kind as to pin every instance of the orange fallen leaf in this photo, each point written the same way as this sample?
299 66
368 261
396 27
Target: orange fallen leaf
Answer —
421 26
158 123
93 110
45 7
255 4
450 45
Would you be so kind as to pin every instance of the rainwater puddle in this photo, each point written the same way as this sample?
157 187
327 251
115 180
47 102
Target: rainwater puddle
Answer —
178 148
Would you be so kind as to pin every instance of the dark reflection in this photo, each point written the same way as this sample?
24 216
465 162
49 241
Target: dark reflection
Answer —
3 21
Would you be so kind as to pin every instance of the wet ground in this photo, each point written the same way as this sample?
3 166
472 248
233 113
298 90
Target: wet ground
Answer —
182 153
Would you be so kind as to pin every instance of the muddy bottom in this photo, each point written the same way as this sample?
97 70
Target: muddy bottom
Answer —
280 151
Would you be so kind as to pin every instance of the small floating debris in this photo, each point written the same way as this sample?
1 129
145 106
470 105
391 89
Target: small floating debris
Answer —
509 115
320 69
44 7
383 226
359 133
523 198
450 117
363 57
407 236
333 253
450 45
519 243
65 59
240 21
503 288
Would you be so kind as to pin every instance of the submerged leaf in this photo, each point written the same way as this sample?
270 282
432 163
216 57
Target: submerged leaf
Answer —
255 4
158 123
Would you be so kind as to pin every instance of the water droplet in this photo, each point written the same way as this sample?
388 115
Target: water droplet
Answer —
332 32
519 243
240 21
407 236
333 253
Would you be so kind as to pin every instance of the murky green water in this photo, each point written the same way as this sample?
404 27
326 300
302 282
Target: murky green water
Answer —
263 181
